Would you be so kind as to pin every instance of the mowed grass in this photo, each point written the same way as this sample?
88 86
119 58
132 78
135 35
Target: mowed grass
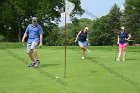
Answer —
98 73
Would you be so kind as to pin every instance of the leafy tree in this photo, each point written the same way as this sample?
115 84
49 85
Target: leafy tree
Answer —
100 34
16 14
131 18
105 29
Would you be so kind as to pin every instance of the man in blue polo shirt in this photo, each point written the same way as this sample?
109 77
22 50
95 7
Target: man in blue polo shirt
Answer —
35 37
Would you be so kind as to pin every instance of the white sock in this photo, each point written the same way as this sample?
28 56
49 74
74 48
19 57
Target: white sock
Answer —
88 50
83 57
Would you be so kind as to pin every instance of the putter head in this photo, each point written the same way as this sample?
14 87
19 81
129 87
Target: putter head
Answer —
115 59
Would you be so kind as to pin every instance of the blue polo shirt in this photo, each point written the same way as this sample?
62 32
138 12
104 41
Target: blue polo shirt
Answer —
34 33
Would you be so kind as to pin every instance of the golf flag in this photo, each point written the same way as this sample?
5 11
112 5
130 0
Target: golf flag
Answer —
69 7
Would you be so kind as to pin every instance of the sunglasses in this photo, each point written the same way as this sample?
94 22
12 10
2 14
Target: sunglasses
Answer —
34 21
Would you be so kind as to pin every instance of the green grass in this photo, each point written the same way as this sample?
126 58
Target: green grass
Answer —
98 73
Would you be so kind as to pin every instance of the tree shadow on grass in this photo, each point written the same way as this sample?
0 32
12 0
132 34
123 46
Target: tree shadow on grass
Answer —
46 65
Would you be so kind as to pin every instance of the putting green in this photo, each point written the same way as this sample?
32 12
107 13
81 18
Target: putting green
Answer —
98 73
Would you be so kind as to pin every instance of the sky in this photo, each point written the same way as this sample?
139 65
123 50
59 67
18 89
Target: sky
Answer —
96 7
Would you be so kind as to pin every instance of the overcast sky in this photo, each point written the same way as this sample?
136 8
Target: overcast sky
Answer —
96 7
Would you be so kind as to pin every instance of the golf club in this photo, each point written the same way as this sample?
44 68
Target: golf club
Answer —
116 52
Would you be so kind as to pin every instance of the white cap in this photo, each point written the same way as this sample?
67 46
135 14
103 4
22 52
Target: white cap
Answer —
34 18
86 28
123 27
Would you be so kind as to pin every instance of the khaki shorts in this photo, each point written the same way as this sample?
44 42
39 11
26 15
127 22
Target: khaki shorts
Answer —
31 47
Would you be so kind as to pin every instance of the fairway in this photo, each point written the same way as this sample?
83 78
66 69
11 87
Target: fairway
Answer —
98 73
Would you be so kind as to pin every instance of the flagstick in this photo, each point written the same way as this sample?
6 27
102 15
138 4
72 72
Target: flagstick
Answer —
65 46
68 7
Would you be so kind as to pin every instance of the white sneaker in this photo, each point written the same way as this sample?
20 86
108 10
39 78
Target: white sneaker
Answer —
88 50
83 57
118 59
123 59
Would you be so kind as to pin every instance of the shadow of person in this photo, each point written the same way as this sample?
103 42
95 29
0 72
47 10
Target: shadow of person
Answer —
132 59
46 65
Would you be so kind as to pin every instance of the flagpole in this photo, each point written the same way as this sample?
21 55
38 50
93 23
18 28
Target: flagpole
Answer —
68 9
65 33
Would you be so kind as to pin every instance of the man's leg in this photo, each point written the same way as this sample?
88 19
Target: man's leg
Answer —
33 50
34 53
29 52
31 57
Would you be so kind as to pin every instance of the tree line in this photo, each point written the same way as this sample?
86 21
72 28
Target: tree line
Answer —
16 15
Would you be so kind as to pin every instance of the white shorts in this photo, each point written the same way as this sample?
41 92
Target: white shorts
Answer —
31 47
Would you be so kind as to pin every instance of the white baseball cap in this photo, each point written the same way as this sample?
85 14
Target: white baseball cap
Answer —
86 28
34 18
123 27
